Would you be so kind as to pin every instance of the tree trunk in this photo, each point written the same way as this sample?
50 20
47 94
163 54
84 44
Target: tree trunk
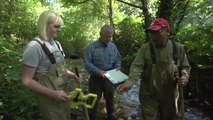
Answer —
110 12
147 16
165 8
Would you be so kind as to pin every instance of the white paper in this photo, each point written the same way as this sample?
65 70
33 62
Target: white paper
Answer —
116 76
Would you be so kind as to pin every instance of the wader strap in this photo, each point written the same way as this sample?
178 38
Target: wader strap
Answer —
175 55
62 52
47 52
153 55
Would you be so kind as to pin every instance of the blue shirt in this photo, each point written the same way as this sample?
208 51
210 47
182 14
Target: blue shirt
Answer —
100 56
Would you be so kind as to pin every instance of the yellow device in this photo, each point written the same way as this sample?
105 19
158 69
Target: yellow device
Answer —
78 98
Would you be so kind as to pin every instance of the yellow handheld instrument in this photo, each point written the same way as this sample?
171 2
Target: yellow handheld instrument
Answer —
78 98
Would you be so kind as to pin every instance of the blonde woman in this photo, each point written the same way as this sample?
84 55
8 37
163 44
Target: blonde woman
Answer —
43 71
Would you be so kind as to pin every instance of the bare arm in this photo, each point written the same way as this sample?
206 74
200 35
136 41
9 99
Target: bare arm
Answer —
74 76
27 80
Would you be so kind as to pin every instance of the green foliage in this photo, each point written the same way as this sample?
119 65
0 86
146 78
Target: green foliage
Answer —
196 34
89 8
80 28
16 19
199 46
16 100
83 20
128 38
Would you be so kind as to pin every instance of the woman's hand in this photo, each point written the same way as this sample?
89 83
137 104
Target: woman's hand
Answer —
60 96
78 79
74 76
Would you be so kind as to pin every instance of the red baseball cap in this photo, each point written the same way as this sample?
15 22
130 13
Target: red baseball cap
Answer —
158 24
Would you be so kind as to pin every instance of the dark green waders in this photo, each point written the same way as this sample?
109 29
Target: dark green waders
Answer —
159 92
50 108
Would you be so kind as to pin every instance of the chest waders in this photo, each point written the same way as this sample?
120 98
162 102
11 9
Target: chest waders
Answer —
55 79
158 89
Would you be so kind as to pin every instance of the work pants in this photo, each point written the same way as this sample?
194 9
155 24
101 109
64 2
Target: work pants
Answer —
98 86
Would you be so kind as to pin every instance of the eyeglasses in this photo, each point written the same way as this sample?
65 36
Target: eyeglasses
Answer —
57 26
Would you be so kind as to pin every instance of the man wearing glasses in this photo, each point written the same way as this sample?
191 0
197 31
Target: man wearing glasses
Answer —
156 64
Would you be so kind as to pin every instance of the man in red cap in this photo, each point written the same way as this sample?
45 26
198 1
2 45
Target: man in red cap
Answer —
156 65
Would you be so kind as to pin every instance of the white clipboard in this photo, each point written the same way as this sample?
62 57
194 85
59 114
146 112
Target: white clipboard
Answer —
116 77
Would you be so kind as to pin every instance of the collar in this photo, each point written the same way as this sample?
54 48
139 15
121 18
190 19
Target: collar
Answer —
102 43
162 47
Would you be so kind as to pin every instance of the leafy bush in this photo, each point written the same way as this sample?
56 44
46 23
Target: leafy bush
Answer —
17 102
199 44
128 38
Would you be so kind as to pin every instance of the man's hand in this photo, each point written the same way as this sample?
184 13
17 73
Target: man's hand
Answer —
123 88
1 117
182 81
102 74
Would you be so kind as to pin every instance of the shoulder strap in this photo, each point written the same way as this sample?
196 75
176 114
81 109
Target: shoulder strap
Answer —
153 55
47 52
175 55
62 52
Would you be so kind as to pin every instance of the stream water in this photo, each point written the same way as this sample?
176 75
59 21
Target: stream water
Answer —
127 106
129 103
